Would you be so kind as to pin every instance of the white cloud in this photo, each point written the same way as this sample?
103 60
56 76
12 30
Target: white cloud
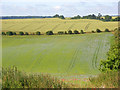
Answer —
57 7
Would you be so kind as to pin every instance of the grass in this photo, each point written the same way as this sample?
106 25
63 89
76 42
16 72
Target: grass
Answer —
63 56
13 78
54 24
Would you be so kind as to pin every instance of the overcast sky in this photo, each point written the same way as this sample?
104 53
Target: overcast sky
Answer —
64 7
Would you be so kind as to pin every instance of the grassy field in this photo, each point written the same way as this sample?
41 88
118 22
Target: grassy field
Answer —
66 56
54 24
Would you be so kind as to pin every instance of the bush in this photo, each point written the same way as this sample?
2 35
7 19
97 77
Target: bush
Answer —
14 33
38 33
69 32
9 33
3 33
98 30
49 33
13 78
107 30
76 32
93 31
26 33
21 33
65 32
60 32
82 32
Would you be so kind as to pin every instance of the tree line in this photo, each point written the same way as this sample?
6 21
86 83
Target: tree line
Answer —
51 32
98 17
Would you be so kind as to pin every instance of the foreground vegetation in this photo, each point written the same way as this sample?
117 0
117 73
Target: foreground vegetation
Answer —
13 78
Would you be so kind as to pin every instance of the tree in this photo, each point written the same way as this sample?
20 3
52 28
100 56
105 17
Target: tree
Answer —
26 33
38 33
3 33
61 17
76 32
108 18
99 16
14 33
93 31
69 32
60 32
49 33
107 30
9 33
21 33
56 16
82 32
65 32
98 30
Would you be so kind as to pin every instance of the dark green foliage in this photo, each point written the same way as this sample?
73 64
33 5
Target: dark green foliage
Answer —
61 17
3 33
13 78
108 18
76 17
113 61
81 32
107 30
65 32
98 30
76 32
9 33
69 32
90 17
38 33
14 33
21 33
93 31
60 32
49 33
26 33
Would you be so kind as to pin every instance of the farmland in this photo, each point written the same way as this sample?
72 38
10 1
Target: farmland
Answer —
55 25
66 56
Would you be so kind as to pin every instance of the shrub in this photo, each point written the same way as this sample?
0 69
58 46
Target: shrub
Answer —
26 33
3 33
93 31
69 32
38 33
21 33
13 78
9 33
107 30
14 33
98 30
76 32
65 32
49 33
60 32
82 32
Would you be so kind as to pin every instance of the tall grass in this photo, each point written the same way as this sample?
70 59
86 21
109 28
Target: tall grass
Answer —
13 78
105 80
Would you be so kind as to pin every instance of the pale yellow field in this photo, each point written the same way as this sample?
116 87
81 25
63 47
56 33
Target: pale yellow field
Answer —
54 24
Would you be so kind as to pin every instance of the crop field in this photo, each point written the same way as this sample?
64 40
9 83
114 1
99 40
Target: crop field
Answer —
61 55
54 24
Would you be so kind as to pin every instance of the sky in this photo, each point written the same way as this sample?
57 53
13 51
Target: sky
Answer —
68 8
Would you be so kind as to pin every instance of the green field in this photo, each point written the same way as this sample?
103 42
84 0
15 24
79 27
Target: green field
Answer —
61 55
54 24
